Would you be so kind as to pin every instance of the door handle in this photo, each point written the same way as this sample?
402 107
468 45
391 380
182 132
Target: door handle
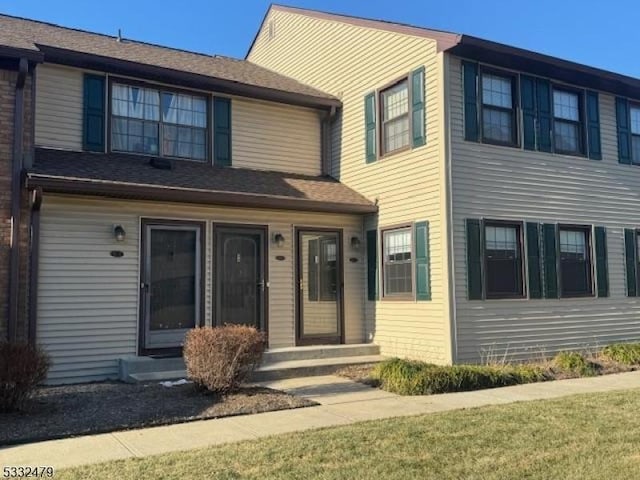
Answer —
144 286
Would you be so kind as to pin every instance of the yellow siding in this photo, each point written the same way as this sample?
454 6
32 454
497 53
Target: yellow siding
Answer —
350 61
88 306
265 135
510 183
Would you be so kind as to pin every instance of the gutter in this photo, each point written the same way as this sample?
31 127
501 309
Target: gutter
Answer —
16 170
325 140
34 263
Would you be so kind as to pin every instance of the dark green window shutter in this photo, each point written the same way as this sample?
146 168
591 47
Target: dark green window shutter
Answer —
470 82
370 127
550 266
623 128
474 259
372 265
543 108
417 108
94 113
313 261
423 274
533 260
593 125
631 261
222 131
528 105
602 267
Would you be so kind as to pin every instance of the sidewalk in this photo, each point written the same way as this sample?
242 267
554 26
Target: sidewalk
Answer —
341 402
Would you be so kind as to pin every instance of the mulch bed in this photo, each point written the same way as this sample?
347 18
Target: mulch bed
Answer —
70 410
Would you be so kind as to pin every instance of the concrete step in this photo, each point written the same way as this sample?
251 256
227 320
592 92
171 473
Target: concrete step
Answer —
309 368
314 352
156 376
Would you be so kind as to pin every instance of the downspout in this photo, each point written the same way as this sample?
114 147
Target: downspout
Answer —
16 172
325 140
34 262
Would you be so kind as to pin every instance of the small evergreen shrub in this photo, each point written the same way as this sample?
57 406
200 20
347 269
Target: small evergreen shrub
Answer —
22 368
407 377
625 353
574 362
219 359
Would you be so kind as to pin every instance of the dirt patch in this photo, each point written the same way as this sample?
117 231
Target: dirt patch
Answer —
58 412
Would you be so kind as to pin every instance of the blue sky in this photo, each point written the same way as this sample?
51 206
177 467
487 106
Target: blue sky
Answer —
598 33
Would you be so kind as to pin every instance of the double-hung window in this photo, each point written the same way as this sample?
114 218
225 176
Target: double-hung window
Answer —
498 108
567 122
397 267
395 117
503 260
155 122
575 262
634 112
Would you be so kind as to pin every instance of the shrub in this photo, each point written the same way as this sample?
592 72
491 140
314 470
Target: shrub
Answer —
407 377
220 359
626 353
22 368
574 362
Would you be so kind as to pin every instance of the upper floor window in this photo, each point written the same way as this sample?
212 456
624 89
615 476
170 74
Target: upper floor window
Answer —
155 122
395 117
498 109
503 260
567 125
634 112
397 249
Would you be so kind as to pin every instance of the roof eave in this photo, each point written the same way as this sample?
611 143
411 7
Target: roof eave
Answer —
187 79
82 186
17 53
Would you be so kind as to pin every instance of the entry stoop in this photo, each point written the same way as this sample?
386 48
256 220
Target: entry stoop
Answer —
277 363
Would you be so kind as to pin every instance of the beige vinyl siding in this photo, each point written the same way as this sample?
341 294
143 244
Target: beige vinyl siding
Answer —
88 304
350 61
59 103
510 183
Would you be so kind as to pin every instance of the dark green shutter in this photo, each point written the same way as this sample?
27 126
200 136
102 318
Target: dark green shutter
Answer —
528 105
222 131
474 259
602 267
623 128
370 127
313 260
423 280
417 101
543 109
533 260
550 267
631 261
470 82
593 126
372 265
94 113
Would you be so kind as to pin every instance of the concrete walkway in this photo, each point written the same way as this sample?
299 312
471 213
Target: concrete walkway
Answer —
341 401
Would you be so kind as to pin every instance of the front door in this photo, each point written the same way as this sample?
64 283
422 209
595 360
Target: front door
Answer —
170 285
240 275
319 278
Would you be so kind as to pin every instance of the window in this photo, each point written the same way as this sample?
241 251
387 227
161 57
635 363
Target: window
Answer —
567 126
503 260
575 262
397 267
634 112
323 269
498 109
395 117
154 122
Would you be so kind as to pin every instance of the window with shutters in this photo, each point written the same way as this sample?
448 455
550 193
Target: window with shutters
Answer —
498 108
567 122
158 122
394 104
503 262
397 262
576 274
634 113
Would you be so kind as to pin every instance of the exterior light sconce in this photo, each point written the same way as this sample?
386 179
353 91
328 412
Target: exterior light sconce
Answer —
119 233
278 239
355 243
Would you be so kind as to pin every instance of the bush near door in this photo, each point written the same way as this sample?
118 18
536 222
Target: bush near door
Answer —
22 368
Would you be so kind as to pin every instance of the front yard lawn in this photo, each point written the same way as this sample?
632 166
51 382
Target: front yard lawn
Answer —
583 437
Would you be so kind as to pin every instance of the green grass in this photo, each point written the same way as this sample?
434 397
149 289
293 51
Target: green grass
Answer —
574 362
584 437
625 353
407 377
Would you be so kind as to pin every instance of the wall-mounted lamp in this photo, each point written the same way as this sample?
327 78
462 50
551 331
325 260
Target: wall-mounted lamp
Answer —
119 233
278 239
355 243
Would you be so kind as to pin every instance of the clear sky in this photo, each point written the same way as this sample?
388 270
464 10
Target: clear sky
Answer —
600 33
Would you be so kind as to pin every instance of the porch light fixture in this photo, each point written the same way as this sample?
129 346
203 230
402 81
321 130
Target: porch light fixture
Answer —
355 243
119 233
278 239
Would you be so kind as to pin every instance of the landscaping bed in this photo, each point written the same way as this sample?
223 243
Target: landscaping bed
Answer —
63 411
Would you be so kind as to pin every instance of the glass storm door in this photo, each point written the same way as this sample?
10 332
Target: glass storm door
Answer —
240 276
319 288
171 283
